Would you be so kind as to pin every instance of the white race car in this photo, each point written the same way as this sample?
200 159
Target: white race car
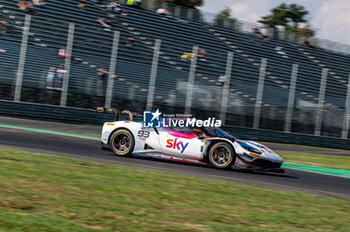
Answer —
206 145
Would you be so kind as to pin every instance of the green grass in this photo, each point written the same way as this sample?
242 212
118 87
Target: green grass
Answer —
327 161
308 146
44 193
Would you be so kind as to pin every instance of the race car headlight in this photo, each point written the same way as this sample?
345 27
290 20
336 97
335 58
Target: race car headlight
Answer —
254 154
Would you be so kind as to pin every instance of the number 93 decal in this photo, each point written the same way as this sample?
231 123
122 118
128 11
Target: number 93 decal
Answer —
143 134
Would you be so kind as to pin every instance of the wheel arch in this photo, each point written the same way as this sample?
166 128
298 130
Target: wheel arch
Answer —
215 141
119 128
125 131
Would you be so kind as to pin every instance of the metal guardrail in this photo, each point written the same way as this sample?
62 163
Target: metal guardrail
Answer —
91 117
290 138
53 113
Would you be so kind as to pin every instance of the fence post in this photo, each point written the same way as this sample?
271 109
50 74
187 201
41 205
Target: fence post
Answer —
111 70
320 104
177 11
291 37
150 4
225 93
259 94
281 34
242 114
346 120
191 78
152 80
226 22
302 39
22 59
291 98
67 63
189 13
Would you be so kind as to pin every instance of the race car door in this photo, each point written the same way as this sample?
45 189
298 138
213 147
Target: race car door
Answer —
182 142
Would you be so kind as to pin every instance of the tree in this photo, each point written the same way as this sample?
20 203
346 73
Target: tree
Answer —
187 3
296 14
223 18
305 31
277 18
225 13
289 17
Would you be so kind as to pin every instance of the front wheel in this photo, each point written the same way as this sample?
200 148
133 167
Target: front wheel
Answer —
122 142
222 155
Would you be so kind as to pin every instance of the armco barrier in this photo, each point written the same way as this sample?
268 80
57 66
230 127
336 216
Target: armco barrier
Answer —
53 113
290 138
91 117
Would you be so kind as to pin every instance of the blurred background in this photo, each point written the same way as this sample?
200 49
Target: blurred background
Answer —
153 54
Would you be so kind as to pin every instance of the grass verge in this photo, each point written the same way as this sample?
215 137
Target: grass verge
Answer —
307 146
44 193
327 161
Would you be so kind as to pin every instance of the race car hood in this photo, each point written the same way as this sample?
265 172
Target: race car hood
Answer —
266 153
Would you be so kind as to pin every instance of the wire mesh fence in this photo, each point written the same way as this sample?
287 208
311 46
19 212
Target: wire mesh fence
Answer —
259 90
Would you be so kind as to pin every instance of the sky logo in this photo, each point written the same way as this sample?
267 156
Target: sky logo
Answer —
151 119
174 144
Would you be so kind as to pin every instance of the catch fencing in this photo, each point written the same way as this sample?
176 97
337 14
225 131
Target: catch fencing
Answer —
266 102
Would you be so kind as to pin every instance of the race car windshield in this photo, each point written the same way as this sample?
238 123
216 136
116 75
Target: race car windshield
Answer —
216 132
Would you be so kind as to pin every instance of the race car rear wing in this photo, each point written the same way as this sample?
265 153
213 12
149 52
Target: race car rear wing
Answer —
116 112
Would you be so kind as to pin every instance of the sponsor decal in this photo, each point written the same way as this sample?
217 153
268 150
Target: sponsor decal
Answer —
143 134
190 122
177 145
152 119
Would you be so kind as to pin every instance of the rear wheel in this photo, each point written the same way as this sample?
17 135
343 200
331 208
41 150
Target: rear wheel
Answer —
122 142
221 155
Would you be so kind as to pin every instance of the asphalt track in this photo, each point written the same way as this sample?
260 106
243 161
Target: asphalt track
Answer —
96 131
87 149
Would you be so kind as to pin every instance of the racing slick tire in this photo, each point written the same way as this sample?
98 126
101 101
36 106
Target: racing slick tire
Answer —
221 155
122 142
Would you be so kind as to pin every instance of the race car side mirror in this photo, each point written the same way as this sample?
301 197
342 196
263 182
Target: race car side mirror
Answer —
198 133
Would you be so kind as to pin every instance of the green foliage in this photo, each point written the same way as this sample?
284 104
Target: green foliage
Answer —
223 18
187 3
296 14
225 13
277 17
305 31
289 17
319 160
